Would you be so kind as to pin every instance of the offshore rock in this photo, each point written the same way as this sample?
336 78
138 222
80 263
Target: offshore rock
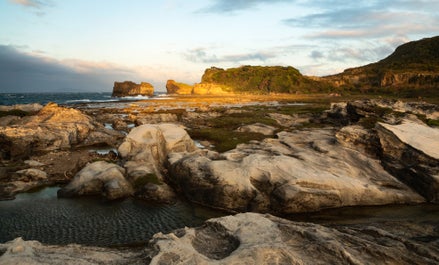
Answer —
301 171
251 238
99 178
128 88
52 128
411 152
173 87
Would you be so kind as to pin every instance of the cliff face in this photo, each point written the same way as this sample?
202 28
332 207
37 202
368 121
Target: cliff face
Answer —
173 87
128 88
257 80
413 66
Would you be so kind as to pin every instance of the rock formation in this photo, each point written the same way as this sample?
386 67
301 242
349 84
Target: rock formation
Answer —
173 87
23 252
98 178
145 150
52 128
128 88
300 171
411 152
263 239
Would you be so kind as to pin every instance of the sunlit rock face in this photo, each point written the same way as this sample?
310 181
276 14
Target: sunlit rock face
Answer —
173 87
264 239
299 171
53 128
411 152
128 88
145 150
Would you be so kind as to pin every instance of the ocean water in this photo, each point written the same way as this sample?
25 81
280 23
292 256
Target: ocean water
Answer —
65 98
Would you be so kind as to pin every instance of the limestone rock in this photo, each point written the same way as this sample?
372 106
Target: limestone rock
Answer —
264 239
23 252
298 172
155 118
410 152
257 128
99 178
145 150
128 88
173 87
32 174
154 142
53 128
31 108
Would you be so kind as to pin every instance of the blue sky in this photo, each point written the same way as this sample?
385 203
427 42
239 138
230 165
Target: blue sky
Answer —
86 45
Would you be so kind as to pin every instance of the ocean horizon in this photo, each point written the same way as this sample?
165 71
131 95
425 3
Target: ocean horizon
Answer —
66 98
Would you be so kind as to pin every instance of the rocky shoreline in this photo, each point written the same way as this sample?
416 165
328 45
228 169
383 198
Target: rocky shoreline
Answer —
288 159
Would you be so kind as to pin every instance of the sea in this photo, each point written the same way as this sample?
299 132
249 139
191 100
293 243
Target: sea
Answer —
9 99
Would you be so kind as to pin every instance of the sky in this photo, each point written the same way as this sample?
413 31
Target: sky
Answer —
86 45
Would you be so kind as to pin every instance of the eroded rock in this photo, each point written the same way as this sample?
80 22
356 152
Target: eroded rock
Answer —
298 172
411 153
99 178
264 239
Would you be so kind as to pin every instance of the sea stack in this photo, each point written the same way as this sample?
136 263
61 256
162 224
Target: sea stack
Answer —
173 87
128 88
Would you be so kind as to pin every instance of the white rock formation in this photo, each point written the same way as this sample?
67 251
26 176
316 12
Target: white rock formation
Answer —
99 178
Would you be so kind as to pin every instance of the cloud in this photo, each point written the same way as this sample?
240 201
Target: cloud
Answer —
23 72
231 6
200 55
32 3
370 20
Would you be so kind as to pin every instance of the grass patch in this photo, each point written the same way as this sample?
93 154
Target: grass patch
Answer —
433 123
149 178
224 139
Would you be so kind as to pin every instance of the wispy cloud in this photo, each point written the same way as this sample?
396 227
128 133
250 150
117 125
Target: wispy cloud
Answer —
32 3
201 55
231 6
37 6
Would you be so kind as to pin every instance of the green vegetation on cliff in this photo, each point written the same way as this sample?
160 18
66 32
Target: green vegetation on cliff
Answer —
262 80
411 70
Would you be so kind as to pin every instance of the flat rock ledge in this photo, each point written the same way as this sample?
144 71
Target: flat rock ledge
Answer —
251 238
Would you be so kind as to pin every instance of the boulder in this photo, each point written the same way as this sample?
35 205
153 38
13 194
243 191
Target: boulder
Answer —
301 171
257 128
153 142
31 174
99 178
53 128
128 88
251 238
145 150
410 151
173 87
